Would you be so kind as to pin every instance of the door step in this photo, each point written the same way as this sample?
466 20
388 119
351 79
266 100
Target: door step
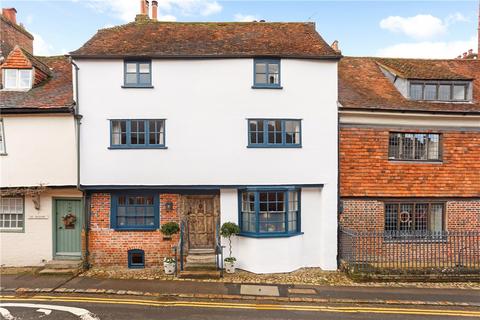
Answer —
199 274
62 267
201 251
201 258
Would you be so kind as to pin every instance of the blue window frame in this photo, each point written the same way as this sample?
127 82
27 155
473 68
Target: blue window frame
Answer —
269 212
274 133
138 74
136 259
140 134
135 211
266 73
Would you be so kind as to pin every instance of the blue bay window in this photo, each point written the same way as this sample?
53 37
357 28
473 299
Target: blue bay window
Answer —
269 212
135 211
137 74
266 74
140 134
274 133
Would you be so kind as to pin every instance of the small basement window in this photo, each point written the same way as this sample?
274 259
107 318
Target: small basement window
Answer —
136 259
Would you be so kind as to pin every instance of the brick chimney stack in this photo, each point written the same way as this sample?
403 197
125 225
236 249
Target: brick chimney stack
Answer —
143 9
10 14
154 10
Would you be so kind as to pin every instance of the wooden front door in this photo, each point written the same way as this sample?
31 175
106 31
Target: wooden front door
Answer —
68 227
201 214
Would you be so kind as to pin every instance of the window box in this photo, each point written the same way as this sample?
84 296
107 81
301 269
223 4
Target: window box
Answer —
269 212
274 133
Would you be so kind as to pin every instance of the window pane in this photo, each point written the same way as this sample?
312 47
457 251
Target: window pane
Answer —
273 68
391 215
144 67
406 217
260 78
131 78
416 92
135 211
436 217
119 128
25 79
11 213
10 78
444 92
260 68
420 217
145 78
131 67
430 92
433 147
459 92
273 79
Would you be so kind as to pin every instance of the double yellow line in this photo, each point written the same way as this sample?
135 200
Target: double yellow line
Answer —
249 306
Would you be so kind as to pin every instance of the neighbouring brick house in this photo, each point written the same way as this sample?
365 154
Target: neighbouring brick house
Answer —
205 123
38 173
410 148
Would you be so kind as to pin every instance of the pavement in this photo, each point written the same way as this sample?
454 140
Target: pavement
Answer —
58 284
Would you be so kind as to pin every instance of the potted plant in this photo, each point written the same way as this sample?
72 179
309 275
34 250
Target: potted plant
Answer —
168 229
169 265
228 230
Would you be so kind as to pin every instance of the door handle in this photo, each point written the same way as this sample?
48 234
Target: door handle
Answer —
60 228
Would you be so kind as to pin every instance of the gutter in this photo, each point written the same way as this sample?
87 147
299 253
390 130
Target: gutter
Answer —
186 56
16 110
86 198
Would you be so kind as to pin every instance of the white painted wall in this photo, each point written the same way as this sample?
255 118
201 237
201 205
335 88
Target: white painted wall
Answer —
206 104
34 245
317 247
41 149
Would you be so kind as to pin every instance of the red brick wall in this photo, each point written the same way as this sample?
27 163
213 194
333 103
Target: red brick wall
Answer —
361 214
11 35
366 170
109 248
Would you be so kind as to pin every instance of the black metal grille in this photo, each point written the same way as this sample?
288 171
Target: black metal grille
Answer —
424 252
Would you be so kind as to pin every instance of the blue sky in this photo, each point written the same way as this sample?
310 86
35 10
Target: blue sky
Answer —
429 29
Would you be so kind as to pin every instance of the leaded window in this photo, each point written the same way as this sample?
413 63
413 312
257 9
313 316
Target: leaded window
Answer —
135 211
137 133
414 146
270 212
439 90
12 215
274 133
414 217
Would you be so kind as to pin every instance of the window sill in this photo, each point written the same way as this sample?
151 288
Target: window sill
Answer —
416 161
135 229
266 87
12 231
136 148
274 146
137 87
270 235
413 240
3 154
136 266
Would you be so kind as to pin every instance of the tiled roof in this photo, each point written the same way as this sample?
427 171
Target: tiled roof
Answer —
210 39
52 95
362 84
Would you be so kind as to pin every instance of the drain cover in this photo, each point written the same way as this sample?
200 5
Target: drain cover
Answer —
253 290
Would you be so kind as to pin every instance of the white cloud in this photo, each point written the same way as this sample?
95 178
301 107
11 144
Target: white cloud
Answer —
167 17
428 49
245 17
127 9
41 47
422 26
456 17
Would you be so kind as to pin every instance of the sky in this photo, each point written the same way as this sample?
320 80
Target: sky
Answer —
420 29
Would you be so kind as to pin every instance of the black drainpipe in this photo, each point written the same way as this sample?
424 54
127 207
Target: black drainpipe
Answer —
339 204
86 198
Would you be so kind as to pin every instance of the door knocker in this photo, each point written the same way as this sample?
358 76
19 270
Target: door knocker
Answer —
69 221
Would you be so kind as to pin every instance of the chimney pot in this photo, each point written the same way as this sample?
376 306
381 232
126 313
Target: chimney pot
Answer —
147 8
464 54
10 14
154 10
335 46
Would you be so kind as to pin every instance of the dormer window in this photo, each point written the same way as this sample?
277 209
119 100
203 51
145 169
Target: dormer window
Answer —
17 79
439 90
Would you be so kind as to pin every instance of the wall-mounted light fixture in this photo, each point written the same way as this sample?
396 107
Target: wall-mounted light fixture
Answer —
169 206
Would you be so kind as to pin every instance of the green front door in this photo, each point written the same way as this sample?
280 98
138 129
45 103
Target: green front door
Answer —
68 227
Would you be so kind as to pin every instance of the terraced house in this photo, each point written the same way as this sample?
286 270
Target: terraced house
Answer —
410 161
205 123
40 205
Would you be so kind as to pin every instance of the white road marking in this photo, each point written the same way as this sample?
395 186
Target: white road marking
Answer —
6 314
45 311
82 313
